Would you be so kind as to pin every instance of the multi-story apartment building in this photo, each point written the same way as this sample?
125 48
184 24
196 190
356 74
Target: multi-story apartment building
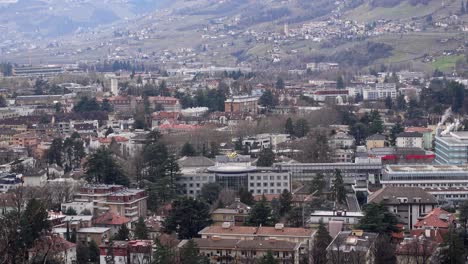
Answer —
219 250
341 141
241 104
131 203
380 91
452 148
408 203
409 140
127 252
446 183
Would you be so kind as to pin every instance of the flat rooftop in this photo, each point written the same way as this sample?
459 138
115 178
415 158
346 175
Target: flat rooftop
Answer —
426 168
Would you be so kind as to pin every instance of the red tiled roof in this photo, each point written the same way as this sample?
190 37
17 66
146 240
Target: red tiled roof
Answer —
178 127
165 115
55 244
109 139
418 129
111 218
436 235
437 218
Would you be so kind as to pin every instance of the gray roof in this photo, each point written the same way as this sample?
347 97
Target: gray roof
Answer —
198 161
346 239
390 195
410 134
376 137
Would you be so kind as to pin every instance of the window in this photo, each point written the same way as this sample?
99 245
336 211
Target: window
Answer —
265 184
265 178
272 178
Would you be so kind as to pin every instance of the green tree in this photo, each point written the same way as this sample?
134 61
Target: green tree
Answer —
318 183
360 132
378 219
141 231
401 102
388 102
295 217
189 254
338 188
71 211
102 168
268 258
321 241
245 196
3 101
188 150
457 93
55 154
340 84
210 192
82 254
32 223
279 83
187 217
452 250
266 158
268 100
463 216
289 126
301 129
109 131
260 214
162 254
123 233
93 250
376 124
285 200
396 129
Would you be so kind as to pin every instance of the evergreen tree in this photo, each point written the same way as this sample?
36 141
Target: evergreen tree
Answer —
33 221
339 191
285 200
110 255
396 129
340 84
102 168
318 183
452 250
55 154
378 219
71 211
280 83
268 258
289 126
123 233
376 124
245 196
162 254
141 231
93 250
267 100
463 7
295 217
388 102
190 254
187 217
321 241
188 150
266 158
301 129
210 192
260 214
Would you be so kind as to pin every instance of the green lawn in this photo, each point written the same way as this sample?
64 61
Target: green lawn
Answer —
446 63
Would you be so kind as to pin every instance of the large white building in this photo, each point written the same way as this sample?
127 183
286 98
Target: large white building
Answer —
452 148
378 92
446 183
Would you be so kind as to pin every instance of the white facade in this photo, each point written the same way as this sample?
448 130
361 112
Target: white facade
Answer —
35 180
348 218
79 207
379 92
409 142
269 182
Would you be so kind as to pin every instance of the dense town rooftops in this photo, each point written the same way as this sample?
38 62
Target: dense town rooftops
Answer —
278 230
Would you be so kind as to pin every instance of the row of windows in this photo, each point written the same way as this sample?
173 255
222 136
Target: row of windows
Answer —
265 184
271 178
266 191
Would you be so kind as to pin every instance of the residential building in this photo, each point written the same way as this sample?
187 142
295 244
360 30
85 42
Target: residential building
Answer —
56 248
168 104
127 252
380 91
350 247
46 100
33 178
195 111
330 95
452 148
417 249
279 232
407 203
241 104
79 207
97 234
219 250
436 219
131 203
112 221
446 183
42 70
349 219
25 140
409 140
236 213
375 141
9 181
427 135
341 141
343 155
262 141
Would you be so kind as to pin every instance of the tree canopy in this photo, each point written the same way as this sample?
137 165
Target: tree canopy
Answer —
187 217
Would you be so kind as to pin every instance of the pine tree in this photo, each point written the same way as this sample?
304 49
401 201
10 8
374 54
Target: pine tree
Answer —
141 231
123 233
93 250
289 126
285 200
190 254
246 196
301 129
339 191
266 158
321 241
162 254
340 82
188 150
318 183
378 219
260 214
